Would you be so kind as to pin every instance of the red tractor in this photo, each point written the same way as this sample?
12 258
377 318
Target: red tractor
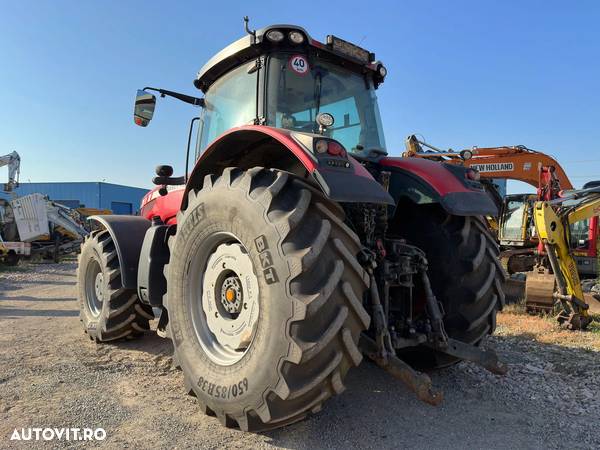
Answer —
295 245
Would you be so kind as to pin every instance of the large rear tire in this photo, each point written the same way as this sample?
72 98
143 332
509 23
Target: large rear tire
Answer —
108 311
465 272
277 250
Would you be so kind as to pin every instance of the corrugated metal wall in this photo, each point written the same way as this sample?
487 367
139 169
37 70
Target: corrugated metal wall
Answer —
89 194
117 194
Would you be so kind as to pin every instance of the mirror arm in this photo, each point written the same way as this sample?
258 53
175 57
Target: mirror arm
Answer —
187 154
183 97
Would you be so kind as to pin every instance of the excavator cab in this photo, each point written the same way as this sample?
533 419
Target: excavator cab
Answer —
516 227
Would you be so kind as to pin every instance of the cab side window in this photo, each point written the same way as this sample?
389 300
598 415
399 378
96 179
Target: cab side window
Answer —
230 102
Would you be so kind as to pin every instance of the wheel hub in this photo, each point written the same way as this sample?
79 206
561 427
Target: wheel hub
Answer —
229 302
94 288
98 283
231 294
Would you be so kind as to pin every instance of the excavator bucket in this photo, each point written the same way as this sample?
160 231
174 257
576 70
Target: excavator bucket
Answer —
539 288
514 289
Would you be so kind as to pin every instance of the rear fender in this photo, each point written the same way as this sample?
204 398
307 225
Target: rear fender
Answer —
154 255
341 179
127 233
423 181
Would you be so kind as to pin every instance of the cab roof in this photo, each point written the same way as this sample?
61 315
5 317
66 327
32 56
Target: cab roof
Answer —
253 45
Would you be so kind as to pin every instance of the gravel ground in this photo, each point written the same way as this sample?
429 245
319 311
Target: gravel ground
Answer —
51 375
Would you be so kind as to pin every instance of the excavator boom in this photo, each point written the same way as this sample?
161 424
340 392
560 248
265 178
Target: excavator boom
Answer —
522 165
13 161
515 163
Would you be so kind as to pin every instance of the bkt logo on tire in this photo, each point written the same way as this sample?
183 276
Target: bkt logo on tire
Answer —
266 260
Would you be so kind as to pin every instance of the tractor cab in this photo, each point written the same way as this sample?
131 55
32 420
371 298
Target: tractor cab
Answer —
287 81
281 77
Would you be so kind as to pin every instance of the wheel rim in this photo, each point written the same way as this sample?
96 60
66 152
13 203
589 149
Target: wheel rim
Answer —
94 283
224 298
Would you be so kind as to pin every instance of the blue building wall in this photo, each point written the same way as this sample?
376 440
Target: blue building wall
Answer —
118 198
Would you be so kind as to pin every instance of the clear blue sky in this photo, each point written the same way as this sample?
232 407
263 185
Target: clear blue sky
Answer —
461 73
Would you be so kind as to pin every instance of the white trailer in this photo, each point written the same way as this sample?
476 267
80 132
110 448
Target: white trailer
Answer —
31 217
34 213
11 252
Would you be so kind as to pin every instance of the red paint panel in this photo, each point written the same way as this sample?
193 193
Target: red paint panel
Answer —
167 206
253 132
432 172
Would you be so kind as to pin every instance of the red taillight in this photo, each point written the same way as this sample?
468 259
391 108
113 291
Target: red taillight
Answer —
472 174
335 149
332 148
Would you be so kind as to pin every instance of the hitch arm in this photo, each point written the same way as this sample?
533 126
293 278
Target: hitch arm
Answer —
417 382
488 359
445 344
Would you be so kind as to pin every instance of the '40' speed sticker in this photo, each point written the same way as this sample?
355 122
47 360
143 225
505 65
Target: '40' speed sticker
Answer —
299 64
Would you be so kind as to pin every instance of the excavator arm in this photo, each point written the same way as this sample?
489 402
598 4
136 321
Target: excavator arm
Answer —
61 217
519 163
13 161
553 220
514 163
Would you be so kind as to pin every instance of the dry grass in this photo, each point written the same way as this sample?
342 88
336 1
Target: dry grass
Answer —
513 321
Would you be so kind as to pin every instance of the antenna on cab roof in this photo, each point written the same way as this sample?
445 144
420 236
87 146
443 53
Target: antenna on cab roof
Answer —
248 30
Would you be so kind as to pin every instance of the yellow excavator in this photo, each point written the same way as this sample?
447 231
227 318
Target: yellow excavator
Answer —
3 249
563 290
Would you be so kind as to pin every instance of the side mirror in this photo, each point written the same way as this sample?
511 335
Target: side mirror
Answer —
144 108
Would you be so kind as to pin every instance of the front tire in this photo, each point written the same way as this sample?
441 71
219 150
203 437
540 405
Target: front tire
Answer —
301 279
108 311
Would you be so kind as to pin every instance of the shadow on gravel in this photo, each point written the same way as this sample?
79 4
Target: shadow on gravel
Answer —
5 288
48 282
379 411
16 312
151 344
28 298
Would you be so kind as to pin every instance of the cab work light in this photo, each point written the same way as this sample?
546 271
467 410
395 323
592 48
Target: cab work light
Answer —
296 37
275 36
